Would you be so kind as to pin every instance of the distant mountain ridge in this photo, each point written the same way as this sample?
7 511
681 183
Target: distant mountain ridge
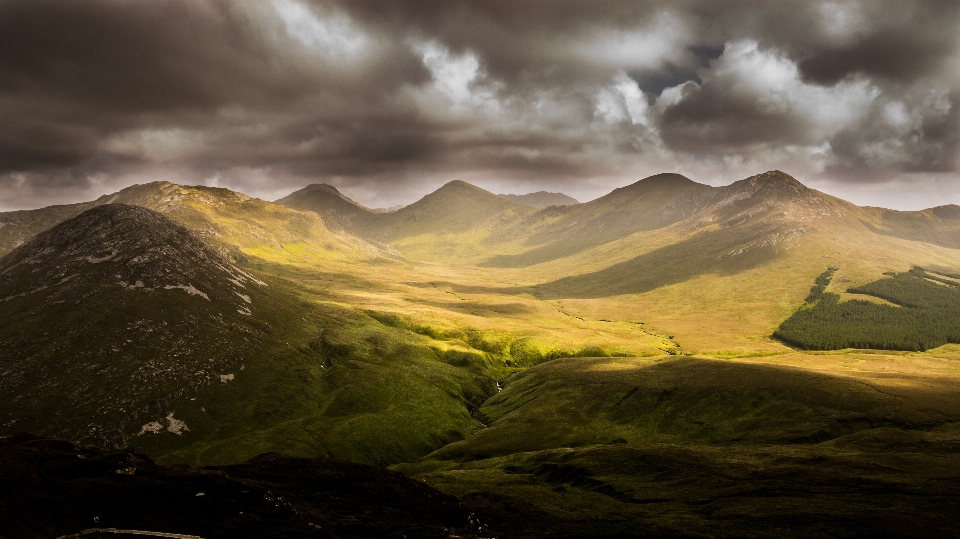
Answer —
542 199
227 220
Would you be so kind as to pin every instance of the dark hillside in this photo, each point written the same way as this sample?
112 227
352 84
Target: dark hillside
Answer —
112 315
270 496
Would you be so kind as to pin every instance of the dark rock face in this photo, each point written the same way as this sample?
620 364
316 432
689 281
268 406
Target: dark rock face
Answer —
109 318
50 488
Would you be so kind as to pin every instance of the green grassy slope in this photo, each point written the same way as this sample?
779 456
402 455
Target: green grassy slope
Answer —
449 224
622 446
231 221
578 402
648 204
122 327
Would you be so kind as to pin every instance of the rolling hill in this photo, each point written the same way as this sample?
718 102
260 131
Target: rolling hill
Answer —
230 221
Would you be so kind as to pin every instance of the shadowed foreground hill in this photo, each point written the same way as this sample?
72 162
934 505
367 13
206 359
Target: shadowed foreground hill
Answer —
687 447
112 315
270 496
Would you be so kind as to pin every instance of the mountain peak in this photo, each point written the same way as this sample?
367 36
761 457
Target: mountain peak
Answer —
665 179
773 184
146 311
322 187
775 178
458 191
461 186
316 192
332 205
133 246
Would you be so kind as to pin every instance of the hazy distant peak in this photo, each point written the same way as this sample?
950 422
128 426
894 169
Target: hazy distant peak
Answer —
322 187
666 180
949 211
461 186
315 188
542 199
458 190
315 193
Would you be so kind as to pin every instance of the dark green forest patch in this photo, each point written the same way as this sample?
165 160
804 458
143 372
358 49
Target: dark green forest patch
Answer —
925 315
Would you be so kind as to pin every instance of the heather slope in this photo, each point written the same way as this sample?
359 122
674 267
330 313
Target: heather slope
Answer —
112 314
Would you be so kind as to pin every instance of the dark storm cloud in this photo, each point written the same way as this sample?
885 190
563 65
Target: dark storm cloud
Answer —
900 42
269 95
715 119
73 73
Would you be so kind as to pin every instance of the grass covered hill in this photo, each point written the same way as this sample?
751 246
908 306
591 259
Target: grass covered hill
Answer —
939 225
690 447
231 222
450 223
112 315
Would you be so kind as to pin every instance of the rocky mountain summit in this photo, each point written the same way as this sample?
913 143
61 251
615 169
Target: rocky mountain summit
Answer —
130 246
114 314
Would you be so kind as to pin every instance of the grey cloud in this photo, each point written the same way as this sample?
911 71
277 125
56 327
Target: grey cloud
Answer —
101 92
715 119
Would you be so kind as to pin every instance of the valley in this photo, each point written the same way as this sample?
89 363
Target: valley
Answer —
601 369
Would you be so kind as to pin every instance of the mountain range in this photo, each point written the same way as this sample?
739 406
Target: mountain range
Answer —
521 358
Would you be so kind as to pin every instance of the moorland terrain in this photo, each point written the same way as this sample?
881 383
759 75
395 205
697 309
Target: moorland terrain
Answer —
671 359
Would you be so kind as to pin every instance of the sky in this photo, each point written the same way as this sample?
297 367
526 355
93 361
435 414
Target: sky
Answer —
388 100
